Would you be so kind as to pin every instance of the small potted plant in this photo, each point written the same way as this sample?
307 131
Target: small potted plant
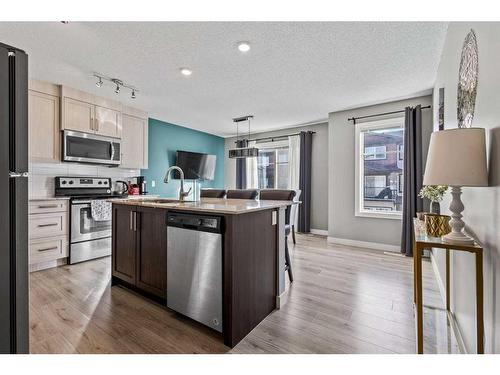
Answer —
435 194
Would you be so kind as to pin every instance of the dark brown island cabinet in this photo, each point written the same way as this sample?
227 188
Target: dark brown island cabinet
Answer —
252 253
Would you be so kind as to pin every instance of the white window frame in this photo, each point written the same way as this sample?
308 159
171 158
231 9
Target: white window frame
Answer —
359 167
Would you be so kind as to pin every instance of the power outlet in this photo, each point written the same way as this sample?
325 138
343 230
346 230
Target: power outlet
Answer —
153 183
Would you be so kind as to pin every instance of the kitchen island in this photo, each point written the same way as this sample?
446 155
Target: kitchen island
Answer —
252 269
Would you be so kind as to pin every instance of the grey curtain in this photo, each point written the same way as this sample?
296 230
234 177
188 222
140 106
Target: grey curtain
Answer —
241 169
412 173
305 182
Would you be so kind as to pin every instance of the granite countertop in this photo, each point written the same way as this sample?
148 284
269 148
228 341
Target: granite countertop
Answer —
211 205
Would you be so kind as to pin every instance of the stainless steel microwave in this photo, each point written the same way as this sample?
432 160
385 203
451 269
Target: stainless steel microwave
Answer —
91 148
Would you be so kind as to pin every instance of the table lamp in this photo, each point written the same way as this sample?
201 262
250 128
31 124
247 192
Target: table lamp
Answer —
457 157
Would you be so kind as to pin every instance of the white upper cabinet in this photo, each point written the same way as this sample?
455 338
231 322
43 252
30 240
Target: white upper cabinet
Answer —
53 108
134 139
43 120
108 122
88 113
78 115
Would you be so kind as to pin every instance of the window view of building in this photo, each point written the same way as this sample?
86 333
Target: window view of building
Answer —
382 169
272 168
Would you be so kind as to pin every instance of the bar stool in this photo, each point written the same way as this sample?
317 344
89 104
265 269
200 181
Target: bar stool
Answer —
282 195
242 194
212 193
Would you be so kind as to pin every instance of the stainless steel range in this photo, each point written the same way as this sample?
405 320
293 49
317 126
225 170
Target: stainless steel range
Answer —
89 238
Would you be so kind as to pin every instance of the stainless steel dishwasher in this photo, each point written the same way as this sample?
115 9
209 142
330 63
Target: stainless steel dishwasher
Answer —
194 267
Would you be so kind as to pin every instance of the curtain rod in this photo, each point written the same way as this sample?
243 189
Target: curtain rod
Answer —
380 114
276 137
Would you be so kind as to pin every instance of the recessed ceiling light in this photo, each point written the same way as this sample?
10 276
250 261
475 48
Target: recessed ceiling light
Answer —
186 71
244 46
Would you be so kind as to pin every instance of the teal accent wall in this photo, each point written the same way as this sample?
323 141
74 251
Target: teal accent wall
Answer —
164 141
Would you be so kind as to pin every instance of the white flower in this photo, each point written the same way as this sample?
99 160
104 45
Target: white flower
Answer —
434 193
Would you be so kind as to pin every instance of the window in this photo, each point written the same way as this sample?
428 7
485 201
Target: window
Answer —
374 185
375 152
400 152
272 165
379 168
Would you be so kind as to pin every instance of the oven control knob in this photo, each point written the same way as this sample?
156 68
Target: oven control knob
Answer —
63 182
70 182
99 183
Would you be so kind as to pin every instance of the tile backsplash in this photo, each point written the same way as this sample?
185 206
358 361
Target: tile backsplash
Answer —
41 181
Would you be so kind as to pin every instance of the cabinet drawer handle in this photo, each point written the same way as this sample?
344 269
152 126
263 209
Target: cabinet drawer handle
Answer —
131 220
47 225
135 221
48 249
49 206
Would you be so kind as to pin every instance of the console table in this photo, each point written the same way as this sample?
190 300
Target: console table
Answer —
421 242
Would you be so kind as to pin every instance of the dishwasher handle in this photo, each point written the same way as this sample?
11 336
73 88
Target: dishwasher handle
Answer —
197 222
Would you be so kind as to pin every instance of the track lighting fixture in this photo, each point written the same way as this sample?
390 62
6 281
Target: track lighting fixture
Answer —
119 84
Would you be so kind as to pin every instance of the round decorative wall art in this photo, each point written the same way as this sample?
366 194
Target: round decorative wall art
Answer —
467 81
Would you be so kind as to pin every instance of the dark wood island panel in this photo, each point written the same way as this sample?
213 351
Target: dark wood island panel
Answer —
250 267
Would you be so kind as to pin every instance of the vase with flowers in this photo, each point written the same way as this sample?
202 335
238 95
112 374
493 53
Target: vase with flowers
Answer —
435 194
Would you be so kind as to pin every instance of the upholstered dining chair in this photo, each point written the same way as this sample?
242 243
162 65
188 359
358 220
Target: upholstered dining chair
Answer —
282 195
212 193
242 194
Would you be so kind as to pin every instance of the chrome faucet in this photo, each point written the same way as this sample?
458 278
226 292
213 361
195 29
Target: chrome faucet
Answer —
182 194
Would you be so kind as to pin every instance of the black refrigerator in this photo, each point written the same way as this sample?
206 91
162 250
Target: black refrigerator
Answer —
14 333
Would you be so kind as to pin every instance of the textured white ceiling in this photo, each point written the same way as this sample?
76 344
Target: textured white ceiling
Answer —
295 72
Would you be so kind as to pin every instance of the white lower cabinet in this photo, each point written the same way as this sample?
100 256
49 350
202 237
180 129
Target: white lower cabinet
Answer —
48 249
48 233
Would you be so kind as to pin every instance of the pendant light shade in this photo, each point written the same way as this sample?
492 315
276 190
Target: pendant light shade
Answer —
242 151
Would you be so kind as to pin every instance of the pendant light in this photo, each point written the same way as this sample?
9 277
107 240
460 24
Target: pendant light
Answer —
243 152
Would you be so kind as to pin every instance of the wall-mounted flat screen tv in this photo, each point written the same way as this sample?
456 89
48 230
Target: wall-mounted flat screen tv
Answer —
196 166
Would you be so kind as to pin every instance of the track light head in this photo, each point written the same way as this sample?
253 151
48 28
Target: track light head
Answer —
119 84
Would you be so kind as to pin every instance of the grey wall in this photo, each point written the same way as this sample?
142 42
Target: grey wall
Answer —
342 222
319 173
482 205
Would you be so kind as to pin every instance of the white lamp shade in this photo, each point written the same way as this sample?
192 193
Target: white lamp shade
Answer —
457 157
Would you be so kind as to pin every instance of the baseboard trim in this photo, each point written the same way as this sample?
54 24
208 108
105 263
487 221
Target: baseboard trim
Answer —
451 317
320 232
282 299
364 244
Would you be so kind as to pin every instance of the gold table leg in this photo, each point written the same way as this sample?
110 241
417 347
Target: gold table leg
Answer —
479 302
448 280
414 273
419 299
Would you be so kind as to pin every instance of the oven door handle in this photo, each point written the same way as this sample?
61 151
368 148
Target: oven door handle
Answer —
80 203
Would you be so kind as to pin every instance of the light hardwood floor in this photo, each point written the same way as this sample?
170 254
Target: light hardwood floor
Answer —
343 300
